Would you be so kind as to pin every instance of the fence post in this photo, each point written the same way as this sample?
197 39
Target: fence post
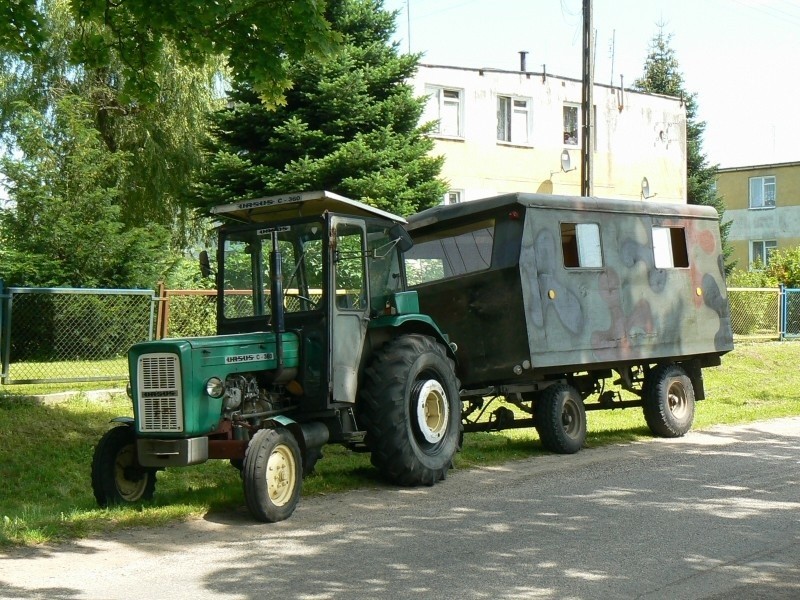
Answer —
782 312
3 334
163 314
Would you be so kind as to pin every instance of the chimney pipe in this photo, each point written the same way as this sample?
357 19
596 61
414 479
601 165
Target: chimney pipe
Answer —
522 56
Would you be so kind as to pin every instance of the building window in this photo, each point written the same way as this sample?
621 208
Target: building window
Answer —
762 192
669 248
761 251
453 197
572 124
580 245
445 107
513 119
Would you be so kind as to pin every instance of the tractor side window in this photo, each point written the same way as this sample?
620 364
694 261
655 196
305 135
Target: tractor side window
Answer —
384 266
350 288
238 285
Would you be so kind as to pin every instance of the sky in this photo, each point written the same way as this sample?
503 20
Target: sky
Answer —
740 57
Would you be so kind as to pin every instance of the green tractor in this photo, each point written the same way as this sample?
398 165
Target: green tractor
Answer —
318 341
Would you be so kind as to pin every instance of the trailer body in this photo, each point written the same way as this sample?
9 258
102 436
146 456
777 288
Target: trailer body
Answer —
532 287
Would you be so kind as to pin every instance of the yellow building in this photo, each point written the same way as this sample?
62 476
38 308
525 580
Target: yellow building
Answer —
762 202
516 131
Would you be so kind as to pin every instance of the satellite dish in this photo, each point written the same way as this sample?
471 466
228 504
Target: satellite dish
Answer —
645 188
566 162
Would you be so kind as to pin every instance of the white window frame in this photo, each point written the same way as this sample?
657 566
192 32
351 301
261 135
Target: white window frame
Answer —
766 188
453 197
444 104
578 120
511 132
767 247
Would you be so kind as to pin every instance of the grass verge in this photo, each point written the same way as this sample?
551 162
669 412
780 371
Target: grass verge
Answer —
46 452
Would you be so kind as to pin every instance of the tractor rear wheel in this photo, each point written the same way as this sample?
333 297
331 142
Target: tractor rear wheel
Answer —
411 410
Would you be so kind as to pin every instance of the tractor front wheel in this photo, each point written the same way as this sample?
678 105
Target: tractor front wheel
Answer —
117 477
272 475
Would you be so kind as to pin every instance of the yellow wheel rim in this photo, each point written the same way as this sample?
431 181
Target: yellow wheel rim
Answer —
281 475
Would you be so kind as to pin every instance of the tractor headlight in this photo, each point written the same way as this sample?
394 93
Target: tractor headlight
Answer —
215 387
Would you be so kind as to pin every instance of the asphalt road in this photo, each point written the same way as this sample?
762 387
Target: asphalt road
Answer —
713 515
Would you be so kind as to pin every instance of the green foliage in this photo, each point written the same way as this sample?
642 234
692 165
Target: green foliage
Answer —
662 75
64 226
159 142
784 266
757 278
136 33
349 125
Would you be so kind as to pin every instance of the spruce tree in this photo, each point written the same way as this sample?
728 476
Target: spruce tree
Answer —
350 125
662 75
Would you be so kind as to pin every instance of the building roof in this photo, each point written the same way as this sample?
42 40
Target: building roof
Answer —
756 167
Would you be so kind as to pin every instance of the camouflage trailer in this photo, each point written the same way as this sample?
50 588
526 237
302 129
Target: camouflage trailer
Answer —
548 298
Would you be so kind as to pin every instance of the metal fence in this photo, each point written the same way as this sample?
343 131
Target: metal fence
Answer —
790 313
54 335
755 312
69 335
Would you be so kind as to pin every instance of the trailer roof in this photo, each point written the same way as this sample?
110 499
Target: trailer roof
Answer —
448 212
302 204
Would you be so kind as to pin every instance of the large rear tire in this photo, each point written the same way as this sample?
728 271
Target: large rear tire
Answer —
561 419
411 410
668 401
117 477
272 475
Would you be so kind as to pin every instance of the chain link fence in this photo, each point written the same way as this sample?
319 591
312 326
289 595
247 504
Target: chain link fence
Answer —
755 313
53 335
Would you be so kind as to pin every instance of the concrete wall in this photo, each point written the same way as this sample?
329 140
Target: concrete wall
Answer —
637 135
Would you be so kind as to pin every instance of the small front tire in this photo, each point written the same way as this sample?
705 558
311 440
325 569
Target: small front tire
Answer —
117 477
272 475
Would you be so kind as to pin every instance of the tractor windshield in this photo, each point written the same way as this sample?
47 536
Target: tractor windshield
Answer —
246 269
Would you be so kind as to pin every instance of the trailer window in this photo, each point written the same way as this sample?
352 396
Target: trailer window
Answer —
580 245
450 253
669 248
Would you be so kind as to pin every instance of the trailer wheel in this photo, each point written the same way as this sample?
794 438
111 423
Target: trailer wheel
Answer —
272 475
411 410
668 401
561 419
117 477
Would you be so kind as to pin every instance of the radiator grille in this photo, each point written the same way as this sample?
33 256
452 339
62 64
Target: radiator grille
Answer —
159 394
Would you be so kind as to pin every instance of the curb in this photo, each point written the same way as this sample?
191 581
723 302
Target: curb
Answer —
90 395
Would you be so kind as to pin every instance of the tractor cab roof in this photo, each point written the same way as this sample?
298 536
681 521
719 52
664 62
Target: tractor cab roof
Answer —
302 204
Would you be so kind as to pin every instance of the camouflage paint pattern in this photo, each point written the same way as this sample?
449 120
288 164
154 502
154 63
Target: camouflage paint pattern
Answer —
625 312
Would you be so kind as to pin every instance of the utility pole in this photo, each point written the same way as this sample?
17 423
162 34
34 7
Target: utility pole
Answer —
587 101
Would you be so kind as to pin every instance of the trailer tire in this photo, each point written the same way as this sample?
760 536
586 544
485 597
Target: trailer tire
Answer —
272 475
117 477
411 410
669 402
561 419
